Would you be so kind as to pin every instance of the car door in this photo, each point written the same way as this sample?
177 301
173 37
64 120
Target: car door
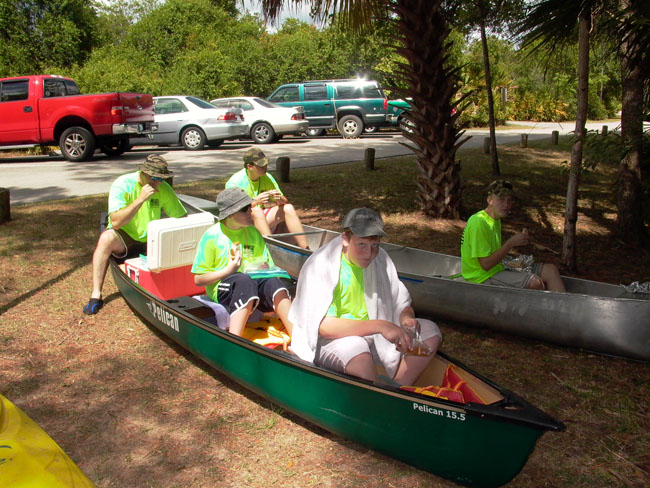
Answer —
171 115
318 103
19 114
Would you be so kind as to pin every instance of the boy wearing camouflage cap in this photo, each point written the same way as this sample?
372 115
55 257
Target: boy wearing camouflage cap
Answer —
482 252
135 199
271 208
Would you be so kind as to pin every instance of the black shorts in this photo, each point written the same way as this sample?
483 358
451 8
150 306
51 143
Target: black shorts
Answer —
238 289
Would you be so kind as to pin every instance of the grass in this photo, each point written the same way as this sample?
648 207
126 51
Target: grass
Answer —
132 409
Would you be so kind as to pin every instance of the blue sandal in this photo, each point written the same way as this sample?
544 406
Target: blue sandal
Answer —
93 306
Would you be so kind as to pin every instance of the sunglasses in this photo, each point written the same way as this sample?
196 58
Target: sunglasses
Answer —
157 178
245 209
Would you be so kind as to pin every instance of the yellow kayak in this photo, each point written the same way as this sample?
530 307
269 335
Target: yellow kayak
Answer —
29 457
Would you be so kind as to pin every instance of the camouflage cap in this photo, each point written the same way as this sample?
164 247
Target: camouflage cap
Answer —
364 222
255 156
156 166
500 188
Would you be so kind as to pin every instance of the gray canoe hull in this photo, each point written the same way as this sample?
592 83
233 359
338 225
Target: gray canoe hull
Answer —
594 316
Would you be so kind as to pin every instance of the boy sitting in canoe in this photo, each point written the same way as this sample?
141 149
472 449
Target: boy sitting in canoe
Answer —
271 208
481 250
352 310
234 264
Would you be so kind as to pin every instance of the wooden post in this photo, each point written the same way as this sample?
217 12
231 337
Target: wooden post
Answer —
486 145
524 140
369 158
283 165
555 137
605 129
5 210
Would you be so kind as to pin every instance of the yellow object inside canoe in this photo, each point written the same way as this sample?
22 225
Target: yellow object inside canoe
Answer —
29 457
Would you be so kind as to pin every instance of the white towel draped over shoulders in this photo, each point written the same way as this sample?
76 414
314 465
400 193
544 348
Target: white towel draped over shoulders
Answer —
386 297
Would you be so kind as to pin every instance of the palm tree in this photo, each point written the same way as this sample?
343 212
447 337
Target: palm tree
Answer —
423 38
550 21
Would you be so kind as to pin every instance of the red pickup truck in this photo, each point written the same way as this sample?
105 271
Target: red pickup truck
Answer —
48 110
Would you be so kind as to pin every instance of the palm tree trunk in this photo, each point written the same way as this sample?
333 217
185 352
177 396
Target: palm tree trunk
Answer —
490 99
569 252
630 223
432 84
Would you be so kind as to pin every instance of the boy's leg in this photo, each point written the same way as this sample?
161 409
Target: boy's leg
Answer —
287 214
411 367
274 296
551 277
109 242
239 294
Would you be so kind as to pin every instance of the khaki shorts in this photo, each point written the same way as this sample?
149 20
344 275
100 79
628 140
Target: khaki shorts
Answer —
335 354
130 244
514 279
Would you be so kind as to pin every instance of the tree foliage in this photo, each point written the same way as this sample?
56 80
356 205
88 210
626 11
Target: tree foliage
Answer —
40 34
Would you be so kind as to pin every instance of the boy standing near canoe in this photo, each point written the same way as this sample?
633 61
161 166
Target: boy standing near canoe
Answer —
234 264
481 250
351 310
135 199
270 206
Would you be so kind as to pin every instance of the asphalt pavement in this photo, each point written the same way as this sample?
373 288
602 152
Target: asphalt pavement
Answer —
42 178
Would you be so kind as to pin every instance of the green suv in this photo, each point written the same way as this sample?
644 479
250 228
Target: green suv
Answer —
347 105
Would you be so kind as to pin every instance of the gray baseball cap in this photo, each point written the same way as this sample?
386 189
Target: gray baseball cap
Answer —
230 201
364 222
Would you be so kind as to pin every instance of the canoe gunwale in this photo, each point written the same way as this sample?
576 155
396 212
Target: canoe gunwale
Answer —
511 409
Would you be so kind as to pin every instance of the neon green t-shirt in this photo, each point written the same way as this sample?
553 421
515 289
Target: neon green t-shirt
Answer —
481 237
126 189
252 188
213 252
349 300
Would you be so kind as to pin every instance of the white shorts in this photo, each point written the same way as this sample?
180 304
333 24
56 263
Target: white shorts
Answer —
335 354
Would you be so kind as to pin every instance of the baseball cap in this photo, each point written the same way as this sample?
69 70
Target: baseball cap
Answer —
156 166
500 188
255 156
230 201
364 222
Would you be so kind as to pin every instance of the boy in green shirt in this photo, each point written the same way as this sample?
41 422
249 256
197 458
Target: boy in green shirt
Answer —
271 208
234 264
481 250
351 310
135 199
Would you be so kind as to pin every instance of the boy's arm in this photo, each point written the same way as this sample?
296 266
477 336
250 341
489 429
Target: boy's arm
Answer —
335 328
519 239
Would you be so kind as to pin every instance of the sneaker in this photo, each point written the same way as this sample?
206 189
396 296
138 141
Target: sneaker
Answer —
93 306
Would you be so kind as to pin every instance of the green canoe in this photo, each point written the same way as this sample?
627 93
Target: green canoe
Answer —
472 444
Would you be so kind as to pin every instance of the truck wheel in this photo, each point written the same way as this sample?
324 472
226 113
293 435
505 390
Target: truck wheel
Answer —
262 133
115 148
77 144
350 126
193 139
371 129
315 132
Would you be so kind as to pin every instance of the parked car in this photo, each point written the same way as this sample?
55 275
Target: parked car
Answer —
193 123
398 110
268 121
346 105
42 110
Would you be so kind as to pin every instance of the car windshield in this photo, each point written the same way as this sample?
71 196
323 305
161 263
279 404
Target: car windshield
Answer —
199 102
266 103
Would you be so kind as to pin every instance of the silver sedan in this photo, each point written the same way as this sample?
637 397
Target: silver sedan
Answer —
268 121
194 123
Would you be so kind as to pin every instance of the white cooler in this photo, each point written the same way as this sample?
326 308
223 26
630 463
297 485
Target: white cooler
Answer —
172 242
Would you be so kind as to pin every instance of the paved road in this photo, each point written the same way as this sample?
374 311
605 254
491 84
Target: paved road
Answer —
41 178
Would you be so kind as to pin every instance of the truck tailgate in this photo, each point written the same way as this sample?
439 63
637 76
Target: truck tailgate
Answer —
136 107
